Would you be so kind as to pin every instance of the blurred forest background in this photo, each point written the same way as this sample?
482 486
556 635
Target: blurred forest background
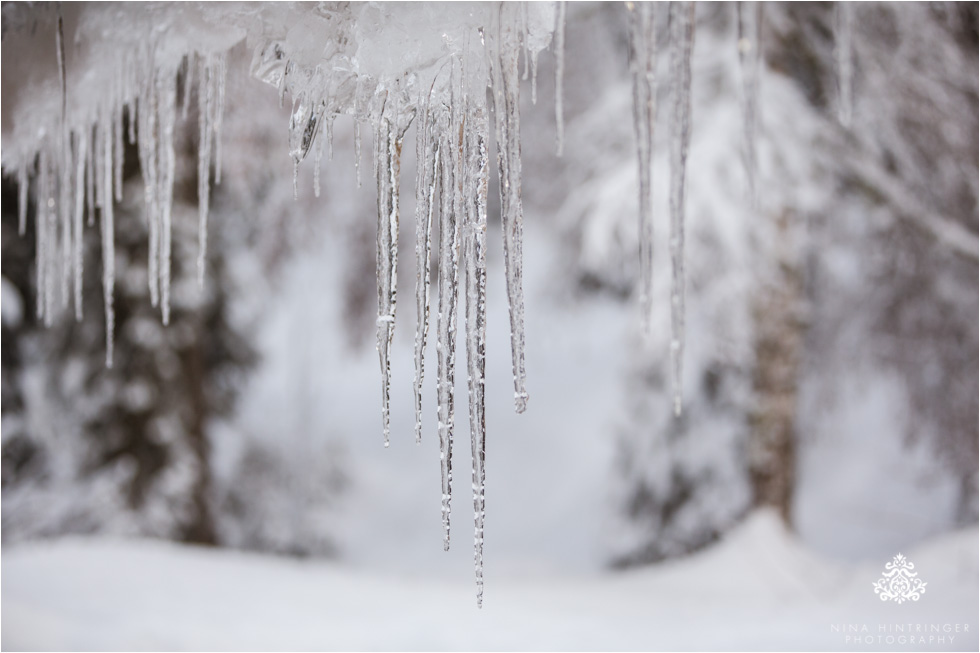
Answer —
832 363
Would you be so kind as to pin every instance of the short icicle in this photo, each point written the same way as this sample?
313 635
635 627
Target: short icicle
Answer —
475 254
681 49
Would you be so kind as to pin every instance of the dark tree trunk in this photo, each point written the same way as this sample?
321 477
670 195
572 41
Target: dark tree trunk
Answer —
778 346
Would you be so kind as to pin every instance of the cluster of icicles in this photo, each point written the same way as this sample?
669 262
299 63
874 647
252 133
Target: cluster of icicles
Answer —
77 173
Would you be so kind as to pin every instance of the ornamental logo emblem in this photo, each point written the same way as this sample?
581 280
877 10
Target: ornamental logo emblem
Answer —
899 582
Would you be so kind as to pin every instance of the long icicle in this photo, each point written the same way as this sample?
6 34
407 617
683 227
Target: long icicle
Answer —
643 68
108 240
427 155
66 169
64 166
749 53
148 139
448 289
167 110
218 111
681 49
506 94
388 143
475 253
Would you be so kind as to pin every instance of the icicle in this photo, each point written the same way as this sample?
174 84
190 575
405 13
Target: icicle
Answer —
81 154
446 326
66 168
108 243
428 157
23 184
205 100
749 51
167 108
330 138
388 145
64 164
506 93
560 79
643 68
51 246
148 148
681 49
41 230
219 109
843 34
475 253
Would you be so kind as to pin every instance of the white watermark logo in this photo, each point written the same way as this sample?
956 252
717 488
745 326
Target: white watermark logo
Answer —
899 583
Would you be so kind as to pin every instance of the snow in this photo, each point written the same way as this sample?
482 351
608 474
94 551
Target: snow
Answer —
757 590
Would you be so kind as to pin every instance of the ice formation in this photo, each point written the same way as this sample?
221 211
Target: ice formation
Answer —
643 68
130 72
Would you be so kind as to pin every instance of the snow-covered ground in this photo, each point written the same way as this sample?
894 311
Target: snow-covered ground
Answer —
759 589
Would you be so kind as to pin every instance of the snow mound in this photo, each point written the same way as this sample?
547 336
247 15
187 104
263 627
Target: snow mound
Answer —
758 589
